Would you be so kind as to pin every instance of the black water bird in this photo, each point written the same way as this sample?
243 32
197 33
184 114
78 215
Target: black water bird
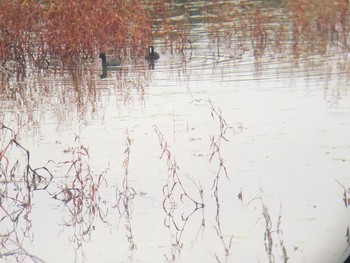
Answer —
110 62
152 55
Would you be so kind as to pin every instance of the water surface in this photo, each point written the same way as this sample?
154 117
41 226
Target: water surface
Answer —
225 152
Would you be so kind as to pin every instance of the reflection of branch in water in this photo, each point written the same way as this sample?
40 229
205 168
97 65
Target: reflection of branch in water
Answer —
227 246
126 196
215 147
280 237
269 233
20 170
80 196
173 175
18 181
268 230
18 253
346 199
346 194
347 235
175 192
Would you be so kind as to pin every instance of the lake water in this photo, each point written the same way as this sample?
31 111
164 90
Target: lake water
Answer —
220 154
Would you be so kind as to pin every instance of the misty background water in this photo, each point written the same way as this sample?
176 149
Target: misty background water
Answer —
230 151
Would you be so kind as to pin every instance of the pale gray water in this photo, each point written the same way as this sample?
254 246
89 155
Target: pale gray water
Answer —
287 150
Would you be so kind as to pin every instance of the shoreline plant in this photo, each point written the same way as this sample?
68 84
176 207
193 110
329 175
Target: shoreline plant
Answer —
39 30
42 31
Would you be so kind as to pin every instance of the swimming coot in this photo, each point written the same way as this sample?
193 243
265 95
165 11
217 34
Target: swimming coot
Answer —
152 55
110 62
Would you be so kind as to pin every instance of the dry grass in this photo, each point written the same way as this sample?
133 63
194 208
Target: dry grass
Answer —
38 30
71 29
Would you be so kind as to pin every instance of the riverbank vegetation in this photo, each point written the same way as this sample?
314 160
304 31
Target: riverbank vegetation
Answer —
41 30
38 30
